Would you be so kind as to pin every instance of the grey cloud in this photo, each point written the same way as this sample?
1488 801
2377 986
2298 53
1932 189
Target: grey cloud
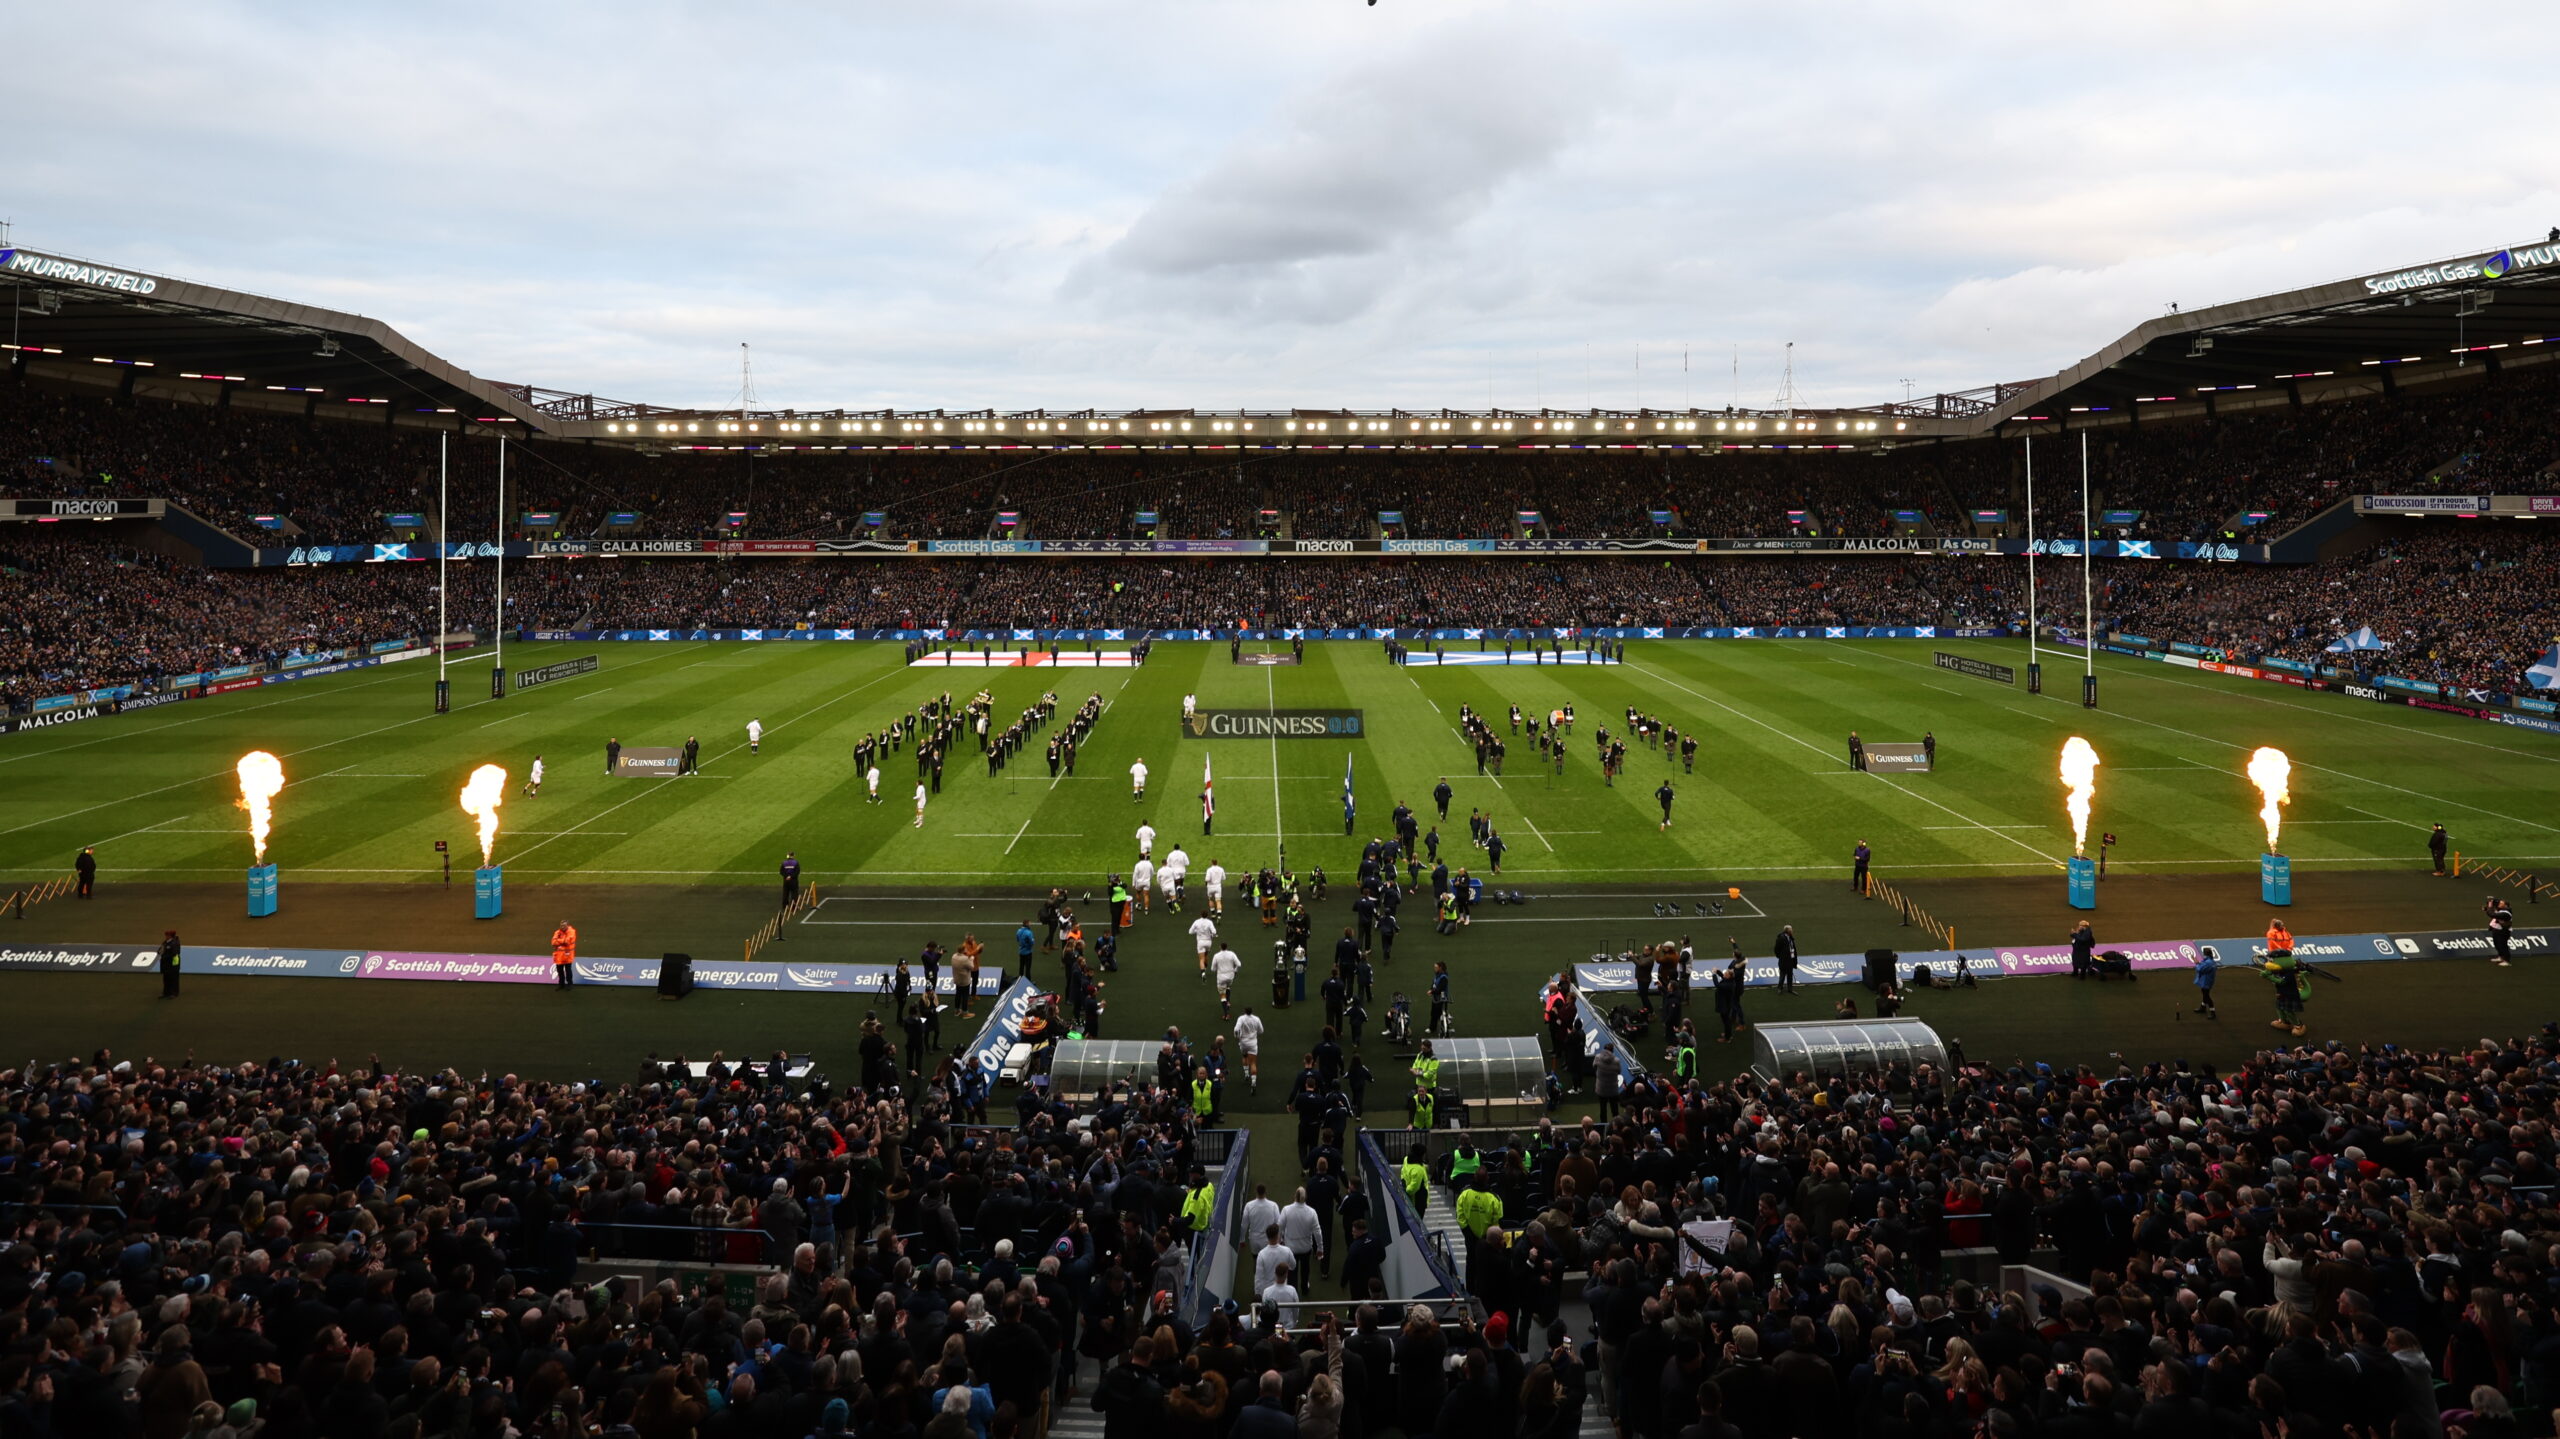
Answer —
1314 219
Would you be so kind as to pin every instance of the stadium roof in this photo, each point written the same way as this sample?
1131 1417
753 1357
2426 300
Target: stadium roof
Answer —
2422 324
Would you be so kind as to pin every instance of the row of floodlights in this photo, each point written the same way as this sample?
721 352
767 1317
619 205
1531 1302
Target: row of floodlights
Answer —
1167 427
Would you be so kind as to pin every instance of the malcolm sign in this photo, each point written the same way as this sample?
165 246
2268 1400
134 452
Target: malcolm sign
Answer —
1274 724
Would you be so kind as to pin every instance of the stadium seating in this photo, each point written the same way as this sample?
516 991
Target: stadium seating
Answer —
333 481
2461 606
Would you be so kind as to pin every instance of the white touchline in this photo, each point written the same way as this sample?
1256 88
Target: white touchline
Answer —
1691 870
127 733
1808 744
774 728
2299 763
2360 809
225 774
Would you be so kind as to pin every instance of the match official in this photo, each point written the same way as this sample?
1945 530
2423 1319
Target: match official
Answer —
564 955
1857 751
790 877
612 757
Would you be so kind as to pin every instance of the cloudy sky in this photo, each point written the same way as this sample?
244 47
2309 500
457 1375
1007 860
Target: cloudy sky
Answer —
1285 202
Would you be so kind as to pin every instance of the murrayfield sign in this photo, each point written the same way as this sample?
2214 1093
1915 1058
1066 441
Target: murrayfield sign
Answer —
46 267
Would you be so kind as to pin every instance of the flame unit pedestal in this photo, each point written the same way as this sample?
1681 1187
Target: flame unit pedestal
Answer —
262 890
2275 879
488 892
2084 883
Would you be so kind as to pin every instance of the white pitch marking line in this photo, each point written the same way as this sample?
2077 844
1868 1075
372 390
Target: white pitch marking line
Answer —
502 719
218 774
1017 836
733 749
1691 870
306 693
149 828
1817 749
1989 826
1271 701
2360 809
2138 673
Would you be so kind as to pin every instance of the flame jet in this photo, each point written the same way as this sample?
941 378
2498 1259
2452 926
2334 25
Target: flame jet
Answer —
2272 772
261 776
480 798
2080 776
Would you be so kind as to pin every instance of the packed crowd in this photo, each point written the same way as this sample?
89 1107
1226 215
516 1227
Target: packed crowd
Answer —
2463 605
82 606
287 1250
78 613
332 482
2326 1241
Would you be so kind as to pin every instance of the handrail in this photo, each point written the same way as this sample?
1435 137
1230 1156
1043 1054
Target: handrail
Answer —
806 899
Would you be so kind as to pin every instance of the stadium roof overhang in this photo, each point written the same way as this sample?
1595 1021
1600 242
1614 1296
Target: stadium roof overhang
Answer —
178 334
2423 324
2419 325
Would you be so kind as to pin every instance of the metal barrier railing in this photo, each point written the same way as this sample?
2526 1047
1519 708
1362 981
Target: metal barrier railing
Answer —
38 894
699 1243
805 900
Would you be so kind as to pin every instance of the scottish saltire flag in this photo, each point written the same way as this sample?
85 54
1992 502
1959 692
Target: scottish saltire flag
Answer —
2362 639
1347 805
2546 675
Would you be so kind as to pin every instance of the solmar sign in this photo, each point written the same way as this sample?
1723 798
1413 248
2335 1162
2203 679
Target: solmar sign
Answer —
46 267
2496 265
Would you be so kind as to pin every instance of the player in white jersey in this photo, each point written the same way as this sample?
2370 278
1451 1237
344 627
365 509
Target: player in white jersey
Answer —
533 777
1217 882
873 780
919 806
1224 966
1146 841
1204 936
1137 781
1142 878
1249 1044
755 735
1190 706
